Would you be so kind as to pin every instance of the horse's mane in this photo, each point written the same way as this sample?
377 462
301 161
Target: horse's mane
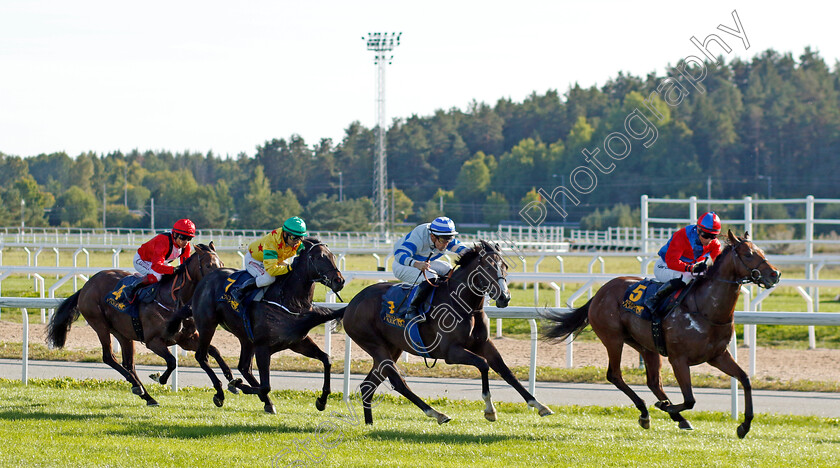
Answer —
716 266
470 255
307 243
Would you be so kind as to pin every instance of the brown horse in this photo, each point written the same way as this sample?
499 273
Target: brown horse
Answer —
456 330
698 330
174 291
282 320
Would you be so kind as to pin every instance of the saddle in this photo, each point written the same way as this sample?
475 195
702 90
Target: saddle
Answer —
395 301
120 302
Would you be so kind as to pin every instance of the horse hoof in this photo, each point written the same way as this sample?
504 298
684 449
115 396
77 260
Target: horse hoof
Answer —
151 402
155 377
544 411
686 425
490 416
137 391
320 404
218 401
232 386
443 419
269 408
644 422
742 431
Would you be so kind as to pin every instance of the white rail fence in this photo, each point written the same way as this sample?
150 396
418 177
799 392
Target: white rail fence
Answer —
531 314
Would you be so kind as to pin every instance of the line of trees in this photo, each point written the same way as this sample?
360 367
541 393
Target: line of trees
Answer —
766 126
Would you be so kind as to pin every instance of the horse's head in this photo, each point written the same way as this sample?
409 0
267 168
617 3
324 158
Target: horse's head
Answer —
318 264
488 271
202 262
749 263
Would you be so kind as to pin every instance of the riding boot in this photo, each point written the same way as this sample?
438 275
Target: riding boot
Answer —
416 305
674 285
239 293
131 290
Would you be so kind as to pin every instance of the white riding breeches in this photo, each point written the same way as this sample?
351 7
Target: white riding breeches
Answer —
411 275
665 274
257 270
145 268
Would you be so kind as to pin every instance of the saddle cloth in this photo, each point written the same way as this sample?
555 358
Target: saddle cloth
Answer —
637 294
234 282
395 301
122 303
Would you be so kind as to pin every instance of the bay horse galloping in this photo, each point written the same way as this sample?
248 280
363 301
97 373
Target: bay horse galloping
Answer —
456 330
282 320
698 330
174 291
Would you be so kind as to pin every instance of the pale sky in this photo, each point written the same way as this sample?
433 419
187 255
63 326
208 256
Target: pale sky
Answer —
186 75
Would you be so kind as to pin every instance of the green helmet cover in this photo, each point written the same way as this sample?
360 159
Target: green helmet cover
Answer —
295 226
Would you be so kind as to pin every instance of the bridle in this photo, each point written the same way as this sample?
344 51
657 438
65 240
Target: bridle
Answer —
322 275
754 275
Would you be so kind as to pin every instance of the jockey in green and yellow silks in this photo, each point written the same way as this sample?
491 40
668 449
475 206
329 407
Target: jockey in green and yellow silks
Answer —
267 258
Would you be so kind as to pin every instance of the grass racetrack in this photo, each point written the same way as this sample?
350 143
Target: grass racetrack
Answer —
69 423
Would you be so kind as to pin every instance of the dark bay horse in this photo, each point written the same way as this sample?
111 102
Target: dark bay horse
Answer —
174 291
697 331
274 328
456 330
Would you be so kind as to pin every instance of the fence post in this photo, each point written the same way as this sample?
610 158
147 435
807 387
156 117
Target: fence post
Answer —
645 223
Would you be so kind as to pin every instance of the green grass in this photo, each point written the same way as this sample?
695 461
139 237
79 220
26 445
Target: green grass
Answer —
63 422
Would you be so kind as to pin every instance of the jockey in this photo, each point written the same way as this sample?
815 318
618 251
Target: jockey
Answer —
684 254
267 257
152 258
420 250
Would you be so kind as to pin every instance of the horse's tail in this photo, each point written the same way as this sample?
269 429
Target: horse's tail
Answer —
338 315
568 323
60 322
173 325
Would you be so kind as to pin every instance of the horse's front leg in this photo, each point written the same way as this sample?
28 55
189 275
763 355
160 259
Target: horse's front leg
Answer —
494 359
653 366
263 357
725 363
308 348
683 375
458 355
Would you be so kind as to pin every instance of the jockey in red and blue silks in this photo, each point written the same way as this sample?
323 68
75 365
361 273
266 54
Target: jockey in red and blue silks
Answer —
685 253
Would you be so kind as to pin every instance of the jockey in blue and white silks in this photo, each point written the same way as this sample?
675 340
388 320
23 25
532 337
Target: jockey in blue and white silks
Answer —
420 250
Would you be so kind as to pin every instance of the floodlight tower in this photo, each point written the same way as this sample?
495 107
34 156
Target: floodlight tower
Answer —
381 44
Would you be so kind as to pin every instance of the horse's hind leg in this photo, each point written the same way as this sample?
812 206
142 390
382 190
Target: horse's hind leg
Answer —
725 363
653 366
614 347
308 348
388 368
494 359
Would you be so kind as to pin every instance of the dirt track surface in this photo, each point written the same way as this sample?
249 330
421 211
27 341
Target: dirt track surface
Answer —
781 364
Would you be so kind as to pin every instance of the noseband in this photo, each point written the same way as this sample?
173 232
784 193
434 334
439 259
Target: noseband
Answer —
754 275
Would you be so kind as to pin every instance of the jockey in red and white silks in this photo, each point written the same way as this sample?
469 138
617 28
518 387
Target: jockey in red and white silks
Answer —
152 258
